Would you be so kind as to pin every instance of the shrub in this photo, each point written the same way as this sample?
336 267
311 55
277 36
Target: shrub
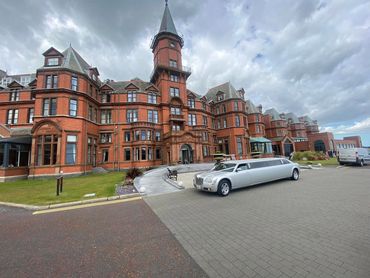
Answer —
132 173
309 155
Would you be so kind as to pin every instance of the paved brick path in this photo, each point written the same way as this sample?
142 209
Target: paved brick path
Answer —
316 227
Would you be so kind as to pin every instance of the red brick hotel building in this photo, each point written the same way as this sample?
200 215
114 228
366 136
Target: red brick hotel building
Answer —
65 119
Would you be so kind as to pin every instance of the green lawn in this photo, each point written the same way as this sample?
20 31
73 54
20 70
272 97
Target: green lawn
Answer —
43 191
331 161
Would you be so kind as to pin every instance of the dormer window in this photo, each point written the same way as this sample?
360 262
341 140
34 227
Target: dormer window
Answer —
220 97
52 62
105 98
191 102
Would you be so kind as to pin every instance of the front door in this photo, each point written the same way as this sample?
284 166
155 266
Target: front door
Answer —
185 157
288 149
186 153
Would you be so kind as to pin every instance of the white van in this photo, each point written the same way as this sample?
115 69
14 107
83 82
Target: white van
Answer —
358 156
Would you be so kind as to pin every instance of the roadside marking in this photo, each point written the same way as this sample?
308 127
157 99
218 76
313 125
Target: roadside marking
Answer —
86 205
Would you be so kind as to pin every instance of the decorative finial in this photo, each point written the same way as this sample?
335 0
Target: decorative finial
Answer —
166 2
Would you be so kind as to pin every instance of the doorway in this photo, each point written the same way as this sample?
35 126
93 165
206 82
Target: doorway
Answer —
186 154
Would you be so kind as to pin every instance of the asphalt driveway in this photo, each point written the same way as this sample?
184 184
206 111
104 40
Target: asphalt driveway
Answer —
117 240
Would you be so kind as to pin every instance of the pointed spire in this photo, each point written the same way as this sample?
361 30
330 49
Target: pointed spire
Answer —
167 24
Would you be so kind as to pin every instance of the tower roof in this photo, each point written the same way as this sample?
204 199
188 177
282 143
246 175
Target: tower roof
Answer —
167 24
167 28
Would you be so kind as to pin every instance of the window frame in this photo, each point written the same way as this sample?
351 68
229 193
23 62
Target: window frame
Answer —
50 108
74 83
12 116
131 96
73 110
74 154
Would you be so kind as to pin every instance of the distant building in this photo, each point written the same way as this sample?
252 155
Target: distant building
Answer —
63 118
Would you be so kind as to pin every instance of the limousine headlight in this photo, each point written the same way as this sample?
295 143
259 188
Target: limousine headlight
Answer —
208 180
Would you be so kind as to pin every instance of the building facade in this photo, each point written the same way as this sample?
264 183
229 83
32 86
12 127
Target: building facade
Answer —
64 119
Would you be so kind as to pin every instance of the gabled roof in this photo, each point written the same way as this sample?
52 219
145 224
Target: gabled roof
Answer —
273 113
226 88
189 92
15 84
33 83
52 52
167 24
120 86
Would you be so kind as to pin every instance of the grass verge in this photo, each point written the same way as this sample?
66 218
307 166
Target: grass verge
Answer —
43 191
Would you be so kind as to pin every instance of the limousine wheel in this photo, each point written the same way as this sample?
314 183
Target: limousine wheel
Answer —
224 188
295 175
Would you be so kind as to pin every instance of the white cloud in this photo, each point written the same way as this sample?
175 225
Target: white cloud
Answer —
304 56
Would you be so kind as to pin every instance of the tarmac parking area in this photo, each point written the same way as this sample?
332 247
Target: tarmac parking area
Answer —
315 227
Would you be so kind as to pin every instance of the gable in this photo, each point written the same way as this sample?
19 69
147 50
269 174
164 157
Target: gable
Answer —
131 86
151 88
15 84
106 87
33 83
52 52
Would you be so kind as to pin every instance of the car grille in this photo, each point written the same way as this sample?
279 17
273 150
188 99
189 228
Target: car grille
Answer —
199 181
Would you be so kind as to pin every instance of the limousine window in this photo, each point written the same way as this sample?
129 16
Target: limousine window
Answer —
261 164
242 167
224 166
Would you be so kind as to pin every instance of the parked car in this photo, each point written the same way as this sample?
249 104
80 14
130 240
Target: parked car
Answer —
241 173
358 156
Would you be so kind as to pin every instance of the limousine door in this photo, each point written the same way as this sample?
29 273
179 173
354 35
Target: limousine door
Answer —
265 171
241 176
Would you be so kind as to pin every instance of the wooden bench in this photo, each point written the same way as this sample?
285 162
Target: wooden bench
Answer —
172 174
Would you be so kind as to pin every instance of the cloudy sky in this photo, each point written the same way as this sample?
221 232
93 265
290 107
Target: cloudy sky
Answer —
310 57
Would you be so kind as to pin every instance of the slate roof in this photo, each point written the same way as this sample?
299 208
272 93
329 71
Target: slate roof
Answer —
308 121
20 131
167 24
72 60
293 117
226 88
274 114
251 108
119 86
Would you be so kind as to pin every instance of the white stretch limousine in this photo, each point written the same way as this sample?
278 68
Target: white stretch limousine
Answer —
241 173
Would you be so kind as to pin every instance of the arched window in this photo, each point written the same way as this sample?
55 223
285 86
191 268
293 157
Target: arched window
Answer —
319 146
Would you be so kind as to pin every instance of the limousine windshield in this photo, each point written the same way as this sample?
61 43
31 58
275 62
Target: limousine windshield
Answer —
224 166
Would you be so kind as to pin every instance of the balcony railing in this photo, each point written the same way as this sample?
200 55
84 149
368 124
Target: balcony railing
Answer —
174 117
142 124
183 69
